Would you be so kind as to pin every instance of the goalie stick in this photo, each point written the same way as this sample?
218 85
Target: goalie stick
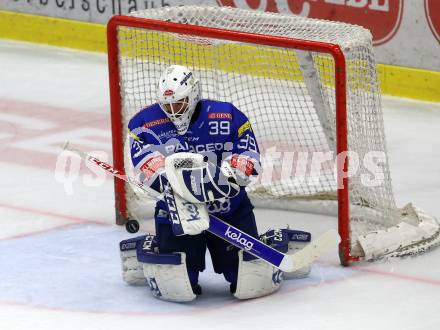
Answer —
284 262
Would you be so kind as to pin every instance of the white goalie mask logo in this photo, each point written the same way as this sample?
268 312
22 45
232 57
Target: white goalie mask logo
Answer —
177 94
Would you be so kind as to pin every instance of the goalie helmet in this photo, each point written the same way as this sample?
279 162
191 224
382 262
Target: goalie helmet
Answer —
177 94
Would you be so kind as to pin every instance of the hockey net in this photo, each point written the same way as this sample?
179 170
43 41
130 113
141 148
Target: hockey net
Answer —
310 90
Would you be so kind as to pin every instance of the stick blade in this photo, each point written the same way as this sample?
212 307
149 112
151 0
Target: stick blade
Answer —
321 246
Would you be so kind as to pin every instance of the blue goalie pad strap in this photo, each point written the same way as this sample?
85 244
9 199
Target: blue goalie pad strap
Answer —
145 247
280 238
276 238
298 235
131 244
159 258
146 253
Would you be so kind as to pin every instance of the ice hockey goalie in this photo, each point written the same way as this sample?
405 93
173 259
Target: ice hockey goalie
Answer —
200 154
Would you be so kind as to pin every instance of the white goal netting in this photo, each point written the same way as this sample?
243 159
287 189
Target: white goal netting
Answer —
289 97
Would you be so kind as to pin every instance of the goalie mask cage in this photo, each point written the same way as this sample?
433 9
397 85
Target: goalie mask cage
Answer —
310 90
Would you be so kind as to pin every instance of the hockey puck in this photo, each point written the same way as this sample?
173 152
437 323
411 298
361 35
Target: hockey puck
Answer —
132 226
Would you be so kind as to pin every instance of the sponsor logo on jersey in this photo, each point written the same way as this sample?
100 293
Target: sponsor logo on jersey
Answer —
243 164
199 148
150 167
192 138
432 11
237 237
134 136
156 122
243 128
166 135
220 115
381 17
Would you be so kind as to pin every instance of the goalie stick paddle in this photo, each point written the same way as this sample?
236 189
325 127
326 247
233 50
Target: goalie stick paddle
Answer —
252 245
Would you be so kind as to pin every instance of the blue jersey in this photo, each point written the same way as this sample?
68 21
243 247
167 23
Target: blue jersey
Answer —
217 130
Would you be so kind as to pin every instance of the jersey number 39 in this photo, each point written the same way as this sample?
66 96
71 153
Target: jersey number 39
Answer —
219 128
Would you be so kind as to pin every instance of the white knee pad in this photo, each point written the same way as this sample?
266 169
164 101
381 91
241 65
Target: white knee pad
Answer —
256 278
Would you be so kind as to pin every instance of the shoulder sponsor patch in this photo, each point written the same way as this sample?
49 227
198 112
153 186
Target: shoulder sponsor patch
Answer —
244 164
134 136
156 122
220 115
152 165
243 128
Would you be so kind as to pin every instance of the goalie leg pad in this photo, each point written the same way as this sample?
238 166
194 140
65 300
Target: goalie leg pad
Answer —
166 273
256 278
132 272
169 282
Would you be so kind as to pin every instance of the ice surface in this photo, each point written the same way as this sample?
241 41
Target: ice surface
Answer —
59 262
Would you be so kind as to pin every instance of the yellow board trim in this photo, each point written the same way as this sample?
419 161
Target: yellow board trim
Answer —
53 31
409 82
397 81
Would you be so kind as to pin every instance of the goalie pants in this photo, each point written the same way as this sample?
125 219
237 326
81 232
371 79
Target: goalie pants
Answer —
224 256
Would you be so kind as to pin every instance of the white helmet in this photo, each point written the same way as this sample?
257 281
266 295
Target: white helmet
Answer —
177 94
